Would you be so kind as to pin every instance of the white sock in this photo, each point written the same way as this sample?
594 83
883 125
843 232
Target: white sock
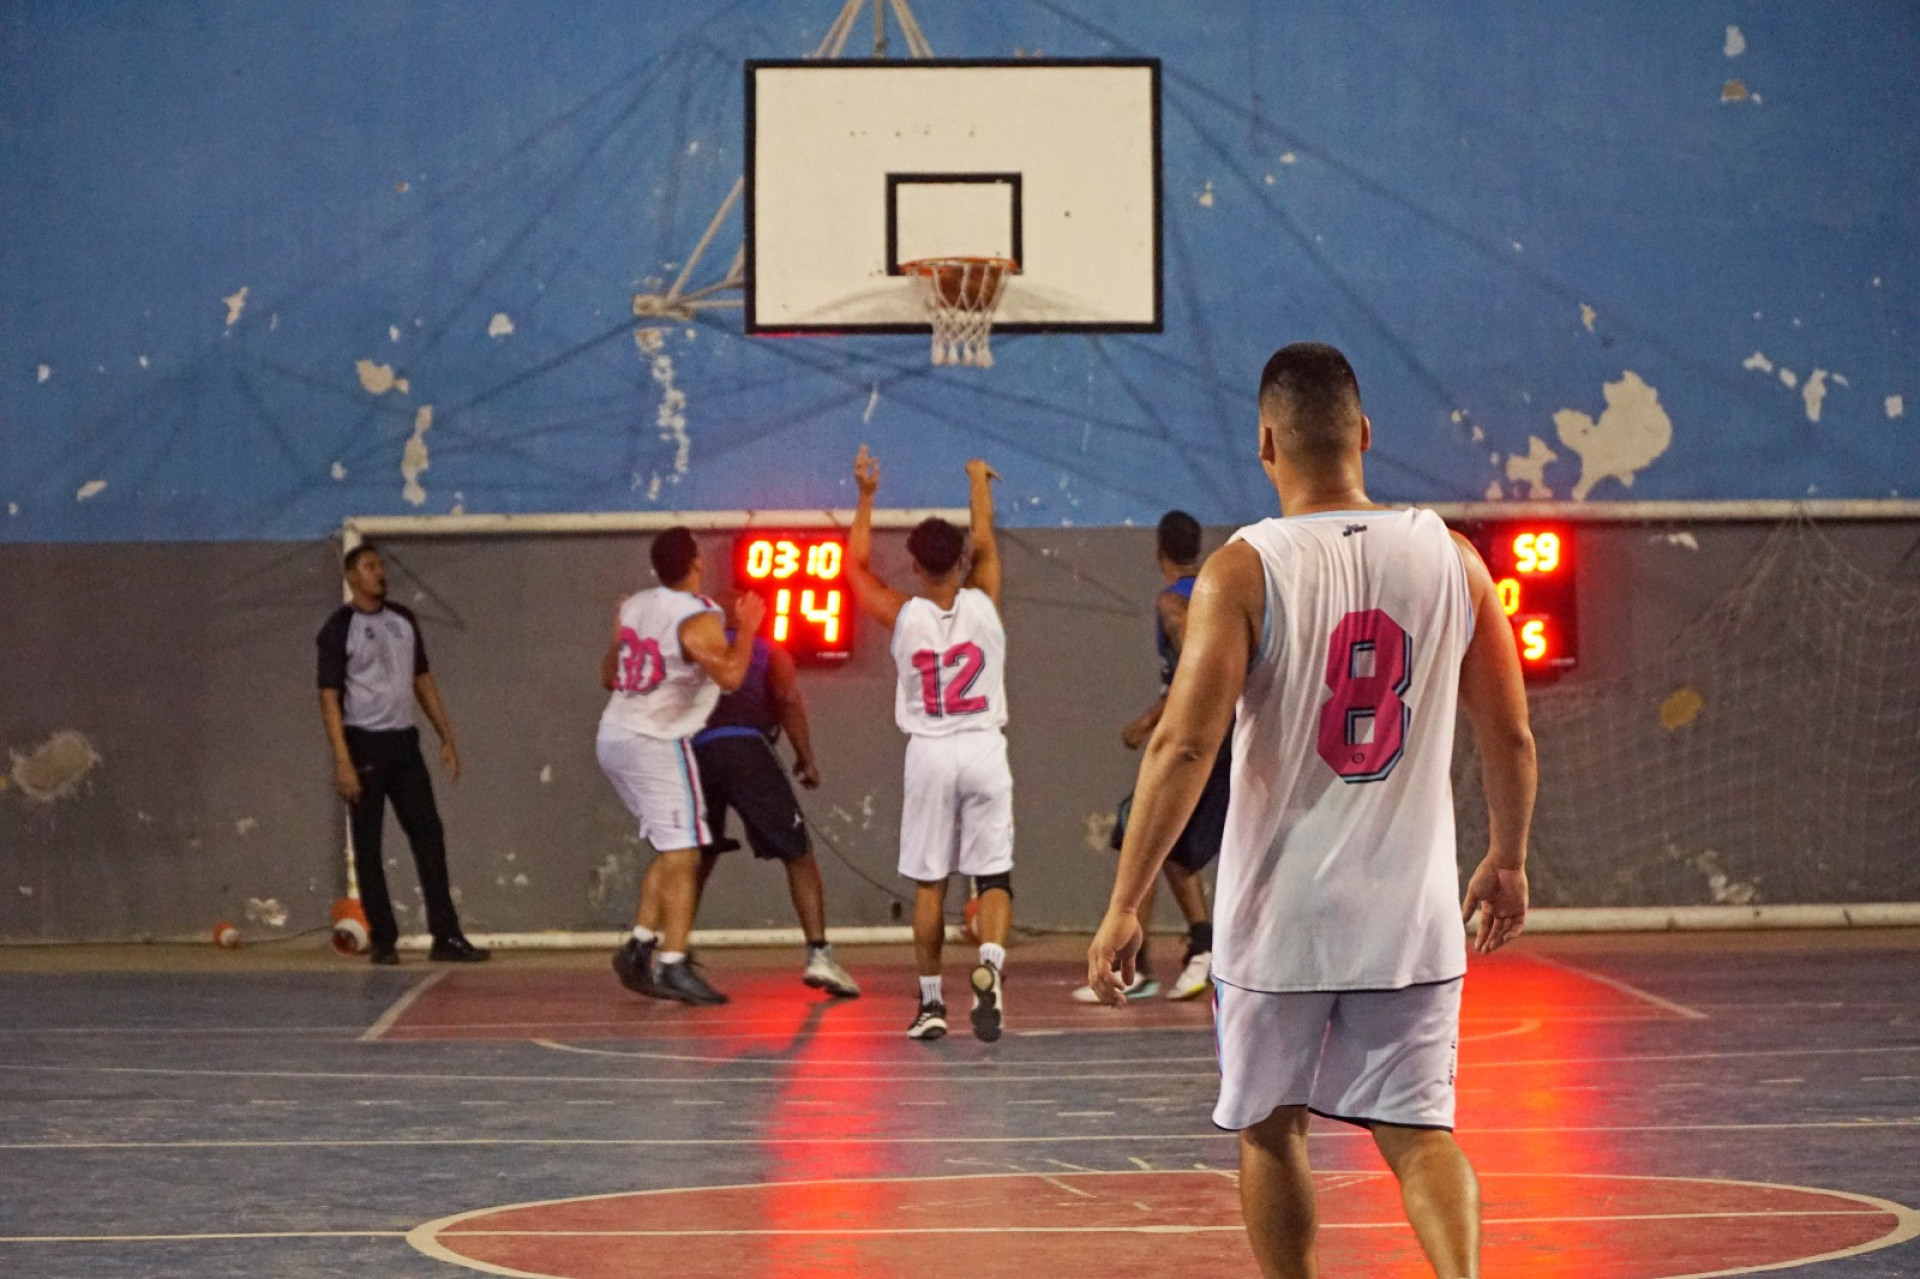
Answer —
991 953
930 992
644 935
672 957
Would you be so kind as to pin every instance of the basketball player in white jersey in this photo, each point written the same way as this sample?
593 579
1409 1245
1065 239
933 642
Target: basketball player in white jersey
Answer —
956 811
666 667
1347 632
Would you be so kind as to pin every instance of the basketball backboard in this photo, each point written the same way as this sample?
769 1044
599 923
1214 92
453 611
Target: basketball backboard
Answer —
854 167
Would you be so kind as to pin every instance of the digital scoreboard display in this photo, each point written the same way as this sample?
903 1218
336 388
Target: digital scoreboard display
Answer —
802 578
1535 573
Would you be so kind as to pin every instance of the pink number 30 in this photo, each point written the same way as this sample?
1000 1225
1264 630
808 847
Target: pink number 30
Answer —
971 662
1363 726
641 666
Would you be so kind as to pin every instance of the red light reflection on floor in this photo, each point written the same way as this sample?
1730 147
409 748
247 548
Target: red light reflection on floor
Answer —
1168 1223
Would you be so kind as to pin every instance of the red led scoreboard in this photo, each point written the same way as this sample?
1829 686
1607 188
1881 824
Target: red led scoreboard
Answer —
1534 571
802 577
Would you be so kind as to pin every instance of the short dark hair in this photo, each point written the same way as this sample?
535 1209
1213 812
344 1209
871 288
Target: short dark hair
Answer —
1311 396
357 554
936 545
673 553
1178 537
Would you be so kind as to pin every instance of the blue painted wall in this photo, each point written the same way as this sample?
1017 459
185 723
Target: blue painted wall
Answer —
1498 209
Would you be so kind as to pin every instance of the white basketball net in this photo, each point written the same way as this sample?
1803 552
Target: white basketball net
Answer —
961 294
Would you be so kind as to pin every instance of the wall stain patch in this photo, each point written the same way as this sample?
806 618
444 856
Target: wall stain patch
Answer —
53 769
92 488
413 459
1631 432
500 326
236 303
268 911
1531 470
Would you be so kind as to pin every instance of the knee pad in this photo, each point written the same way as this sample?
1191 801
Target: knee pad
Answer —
1002 881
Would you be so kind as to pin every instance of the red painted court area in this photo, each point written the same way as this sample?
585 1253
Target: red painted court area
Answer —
1070 1224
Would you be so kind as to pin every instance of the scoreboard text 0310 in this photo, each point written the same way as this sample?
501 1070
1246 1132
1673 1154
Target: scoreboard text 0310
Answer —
802 578
1535 572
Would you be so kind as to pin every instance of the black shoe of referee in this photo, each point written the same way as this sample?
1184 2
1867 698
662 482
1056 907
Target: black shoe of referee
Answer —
457 950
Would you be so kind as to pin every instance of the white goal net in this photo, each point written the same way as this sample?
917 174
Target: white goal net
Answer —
1771 755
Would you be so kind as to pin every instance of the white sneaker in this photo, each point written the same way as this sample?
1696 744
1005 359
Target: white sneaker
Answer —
930 1022
825 973
1195 978
1144 987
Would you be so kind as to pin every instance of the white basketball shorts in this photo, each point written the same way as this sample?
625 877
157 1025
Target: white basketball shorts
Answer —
956 806
1364 1056
660 784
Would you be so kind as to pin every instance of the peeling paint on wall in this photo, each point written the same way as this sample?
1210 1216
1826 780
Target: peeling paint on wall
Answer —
92 488
236 303
1789 379
42 373
267 911
1758 363
1896 406
1681 708
246 825
1204 197
378 379
1681 539
338 471
1100 831
1631 432
671 417
55 767
1587 316
501 325
1531 470
1814 394
1736 42
413 459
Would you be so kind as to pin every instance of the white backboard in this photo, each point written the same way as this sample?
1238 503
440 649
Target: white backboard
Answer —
856 166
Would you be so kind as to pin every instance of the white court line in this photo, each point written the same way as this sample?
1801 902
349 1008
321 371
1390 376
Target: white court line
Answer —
427 1236
251 1234
1331 1133
398 1008
1625 988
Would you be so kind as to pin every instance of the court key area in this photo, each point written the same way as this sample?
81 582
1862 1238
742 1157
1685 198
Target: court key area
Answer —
1640 1107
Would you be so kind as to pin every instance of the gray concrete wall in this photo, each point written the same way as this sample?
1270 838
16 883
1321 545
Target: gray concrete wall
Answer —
188 670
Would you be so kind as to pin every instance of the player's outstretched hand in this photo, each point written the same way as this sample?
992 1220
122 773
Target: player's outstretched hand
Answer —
978 469
866 472
1500 895
1110 958
807 772
750 610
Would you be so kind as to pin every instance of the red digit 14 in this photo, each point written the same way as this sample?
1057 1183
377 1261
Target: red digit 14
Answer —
955 700
1363 726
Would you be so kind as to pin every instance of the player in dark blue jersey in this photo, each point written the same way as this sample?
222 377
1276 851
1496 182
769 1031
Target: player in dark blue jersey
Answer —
740 771
1177 549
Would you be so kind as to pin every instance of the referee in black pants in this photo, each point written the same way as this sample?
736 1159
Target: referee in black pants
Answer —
373 666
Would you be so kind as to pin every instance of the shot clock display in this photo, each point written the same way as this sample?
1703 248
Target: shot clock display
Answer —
1533 569
802 577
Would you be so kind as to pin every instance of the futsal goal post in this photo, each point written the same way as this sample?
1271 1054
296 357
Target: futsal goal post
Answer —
1755 764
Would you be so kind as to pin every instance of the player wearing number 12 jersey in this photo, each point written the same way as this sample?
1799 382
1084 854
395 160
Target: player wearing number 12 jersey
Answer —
669 661
1345 633
956 807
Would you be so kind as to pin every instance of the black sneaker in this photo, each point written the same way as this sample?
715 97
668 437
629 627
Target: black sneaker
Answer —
930 1022
457 950
679 981
633 964
384 955
986 1002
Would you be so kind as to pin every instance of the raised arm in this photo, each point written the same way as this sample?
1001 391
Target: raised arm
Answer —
881 602
1494 697
785 687
1223 626
985 573
703 638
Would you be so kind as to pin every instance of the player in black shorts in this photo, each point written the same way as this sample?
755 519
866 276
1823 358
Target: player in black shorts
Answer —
739 771
1177 547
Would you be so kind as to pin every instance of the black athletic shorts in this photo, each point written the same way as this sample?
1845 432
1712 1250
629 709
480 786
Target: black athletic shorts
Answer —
1199 843
742 773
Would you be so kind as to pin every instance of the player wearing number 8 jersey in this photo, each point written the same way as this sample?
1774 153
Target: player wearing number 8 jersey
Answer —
956 809
1345 634
668 663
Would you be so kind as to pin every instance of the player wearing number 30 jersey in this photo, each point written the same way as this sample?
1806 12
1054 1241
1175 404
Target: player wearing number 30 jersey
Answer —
667 664
950 698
